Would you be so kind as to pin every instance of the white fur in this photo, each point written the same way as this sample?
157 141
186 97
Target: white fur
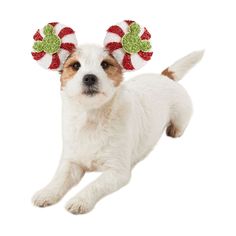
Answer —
115 133
181 67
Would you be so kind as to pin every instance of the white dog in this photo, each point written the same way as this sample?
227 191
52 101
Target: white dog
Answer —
109 126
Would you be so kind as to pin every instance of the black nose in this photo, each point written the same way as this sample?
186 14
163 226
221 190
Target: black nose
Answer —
90 79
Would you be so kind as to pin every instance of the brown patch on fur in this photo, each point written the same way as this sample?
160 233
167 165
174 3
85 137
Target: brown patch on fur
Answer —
168 73
114 71
172 131
67 72
94 165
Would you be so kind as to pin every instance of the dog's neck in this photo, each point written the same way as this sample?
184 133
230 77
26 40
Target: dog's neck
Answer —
73 110
102 113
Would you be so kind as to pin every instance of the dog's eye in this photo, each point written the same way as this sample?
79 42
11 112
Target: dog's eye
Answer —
75 66
105 65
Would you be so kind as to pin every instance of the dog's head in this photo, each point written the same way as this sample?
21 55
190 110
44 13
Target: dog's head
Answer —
92 75
89 73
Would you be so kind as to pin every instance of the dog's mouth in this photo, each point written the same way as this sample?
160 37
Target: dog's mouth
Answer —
90 91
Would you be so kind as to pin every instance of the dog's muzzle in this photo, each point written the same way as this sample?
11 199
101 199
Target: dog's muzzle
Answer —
90 82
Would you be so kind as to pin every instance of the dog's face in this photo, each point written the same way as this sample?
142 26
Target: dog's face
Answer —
91 76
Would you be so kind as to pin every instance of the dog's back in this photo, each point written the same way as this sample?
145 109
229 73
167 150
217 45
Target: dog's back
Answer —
159 102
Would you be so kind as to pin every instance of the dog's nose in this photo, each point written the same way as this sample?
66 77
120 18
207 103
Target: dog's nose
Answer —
90 79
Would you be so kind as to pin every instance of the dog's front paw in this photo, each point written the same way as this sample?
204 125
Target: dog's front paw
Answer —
79 205
45 197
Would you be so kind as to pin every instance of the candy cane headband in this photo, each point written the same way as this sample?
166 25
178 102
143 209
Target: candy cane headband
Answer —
127 41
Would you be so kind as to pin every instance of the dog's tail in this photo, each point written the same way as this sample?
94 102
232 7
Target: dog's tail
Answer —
183 65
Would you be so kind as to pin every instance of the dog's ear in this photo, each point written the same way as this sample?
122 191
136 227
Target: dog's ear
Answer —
53 44
129 43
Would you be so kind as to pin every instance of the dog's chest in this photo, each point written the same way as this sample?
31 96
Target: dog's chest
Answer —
85 143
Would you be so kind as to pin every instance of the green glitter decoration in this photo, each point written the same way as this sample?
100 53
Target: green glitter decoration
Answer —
51 42
131 41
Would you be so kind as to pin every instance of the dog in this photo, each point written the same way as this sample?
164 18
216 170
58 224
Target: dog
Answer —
110 125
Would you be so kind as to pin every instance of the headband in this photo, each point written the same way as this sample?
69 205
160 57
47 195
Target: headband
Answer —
128 42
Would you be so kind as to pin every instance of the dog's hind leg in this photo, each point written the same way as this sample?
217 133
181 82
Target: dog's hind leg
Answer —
67 175
181 110
180 116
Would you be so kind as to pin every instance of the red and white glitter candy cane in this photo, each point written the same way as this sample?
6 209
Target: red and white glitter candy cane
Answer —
66 42
115 43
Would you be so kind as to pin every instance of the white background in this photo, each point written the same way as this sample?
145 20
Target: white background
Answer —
186 186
